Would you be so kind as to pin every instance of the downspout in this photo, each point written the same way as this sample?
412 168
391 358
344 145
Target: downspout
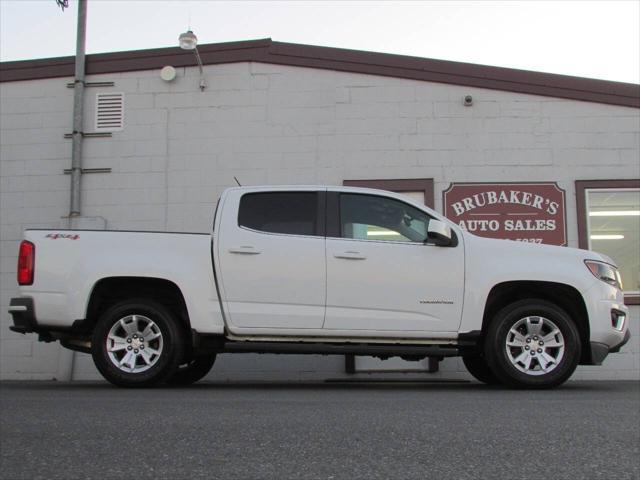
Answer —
67 357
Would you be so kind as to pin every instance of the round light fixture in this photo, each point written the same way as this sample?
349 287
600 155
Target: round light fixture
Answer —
188 40
168 73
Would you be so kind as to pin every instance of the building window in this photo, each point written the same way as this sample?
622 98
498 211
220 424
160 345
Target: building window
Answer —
609 223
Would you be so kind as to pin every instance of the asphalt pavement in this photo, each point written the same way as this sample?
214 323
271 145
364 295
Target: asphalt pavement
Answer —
424 430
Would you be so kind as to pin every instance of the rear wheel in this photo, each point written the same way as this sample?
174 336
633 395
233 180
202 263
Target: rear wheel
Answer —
192 371
477 366
137 343
532 344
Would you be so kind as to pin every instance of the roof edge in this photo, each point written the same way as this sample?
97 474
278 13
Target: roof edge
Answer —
328 58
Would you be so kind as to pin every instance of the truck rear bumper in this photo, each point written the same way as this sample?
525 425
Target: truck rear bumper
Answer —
22 309
23 313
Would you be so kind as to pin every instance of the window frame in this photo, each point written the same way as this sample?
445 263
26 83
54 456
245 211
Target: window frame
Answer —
321 217
582 186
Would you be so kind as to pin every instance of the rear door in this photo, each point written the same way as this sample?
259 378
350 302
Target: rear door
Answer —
271 249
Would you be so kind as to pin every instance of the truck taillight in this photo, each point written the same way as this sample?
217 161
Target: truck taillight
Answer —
26 263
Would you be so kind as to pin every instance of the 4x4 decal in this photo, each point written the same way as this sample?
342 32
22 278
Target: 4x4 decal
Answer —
68 236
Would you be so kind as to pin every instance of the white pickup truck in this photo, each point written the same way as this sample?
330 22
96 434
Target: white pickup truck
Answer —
319 270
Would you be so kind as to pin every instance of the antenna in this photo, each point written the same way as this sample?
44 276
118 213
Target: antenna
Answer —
237 181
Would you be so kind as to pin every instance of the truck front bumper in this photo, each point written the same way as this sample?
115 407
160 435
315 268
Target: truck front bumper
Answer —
599 351
608 319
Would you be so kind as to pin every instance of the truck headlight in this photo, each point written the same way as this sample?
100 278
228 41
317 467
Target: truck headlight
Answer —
605 272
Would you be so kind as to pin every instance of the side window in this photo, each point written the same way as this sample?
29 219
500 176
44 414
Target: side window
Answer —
370 217
293 213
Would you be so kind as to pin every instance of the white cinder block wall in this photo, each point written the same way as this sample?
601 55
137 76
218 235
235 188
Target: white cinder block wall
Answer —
270 124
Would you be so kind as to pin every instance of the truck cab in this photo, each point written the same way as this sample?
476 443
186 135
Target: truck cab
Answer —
357 263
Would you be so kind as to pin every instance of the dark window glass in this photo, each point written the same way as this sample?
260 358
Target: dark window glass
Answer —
369 217
294 213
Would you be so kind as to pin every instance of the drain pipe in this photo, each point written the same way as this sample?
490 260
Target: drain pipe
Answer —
67 357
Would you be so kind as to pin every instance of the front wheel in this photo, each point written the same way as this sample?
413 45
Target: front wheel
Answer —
137 343
532 344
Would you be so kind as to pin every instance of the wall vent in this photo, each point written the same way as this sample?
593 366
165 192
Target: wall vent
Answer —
109 112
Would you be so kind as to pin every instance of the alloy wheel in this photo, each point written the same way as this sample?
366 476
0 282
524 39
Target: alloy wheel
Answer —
535 345
134 343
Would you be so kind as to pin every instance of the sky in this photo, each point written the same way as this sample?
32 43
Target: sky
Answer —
596 39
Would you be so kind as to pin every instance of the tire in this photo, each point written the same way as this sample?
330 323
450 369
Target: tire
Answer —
532 344
477 366
124 356
189 373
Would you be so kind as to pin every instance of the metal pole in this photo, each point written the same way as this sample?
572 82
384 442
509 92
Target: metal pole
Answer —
67 357
78 102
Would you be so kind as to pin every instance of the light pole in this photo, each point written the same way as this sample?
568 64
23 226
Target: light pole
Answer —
189 41
67 357
78 101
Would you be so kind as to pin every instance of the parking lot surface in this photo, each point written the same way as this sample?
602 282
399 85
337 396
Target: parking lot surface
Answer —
328 430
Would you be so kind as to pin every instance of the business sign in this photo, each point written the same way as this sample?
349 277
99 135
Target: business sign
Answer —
526 212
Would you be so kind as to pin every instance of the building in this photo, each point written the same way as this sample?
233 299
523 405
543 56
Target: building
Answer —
157 154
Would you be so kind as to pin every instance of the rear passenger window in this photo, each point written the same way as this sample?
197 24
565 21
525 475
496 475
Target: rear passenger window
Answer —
293 213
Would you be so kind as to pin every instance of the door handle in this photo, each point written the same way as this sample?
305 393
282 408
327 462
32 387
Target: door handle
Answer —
244 249
350 255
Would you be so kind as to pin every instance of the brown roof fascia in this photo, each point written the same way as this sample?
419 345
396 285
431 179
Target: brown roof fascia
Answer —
355 61
133 60
457 73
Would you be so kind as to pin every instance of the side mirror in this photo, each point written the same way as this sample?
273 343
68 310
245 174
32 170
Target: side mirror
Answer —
439 233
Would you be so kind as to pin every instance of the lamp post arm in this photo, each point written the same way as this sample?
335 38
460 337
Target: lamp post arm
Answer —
200 66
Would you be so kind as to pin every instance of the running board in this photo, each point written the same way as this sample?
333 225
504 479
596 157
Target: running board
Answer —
466 344
341 349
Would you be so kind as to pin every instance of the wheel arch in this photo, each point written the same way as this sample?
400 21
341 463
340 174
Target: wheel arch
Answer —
110 290
564 296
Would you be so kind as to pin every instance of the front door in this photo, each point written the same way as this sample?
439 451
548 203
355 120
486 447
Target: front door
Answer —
382 279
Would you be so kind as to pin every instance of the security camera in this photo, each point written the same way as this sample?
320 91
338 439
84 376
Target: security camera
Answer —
468 100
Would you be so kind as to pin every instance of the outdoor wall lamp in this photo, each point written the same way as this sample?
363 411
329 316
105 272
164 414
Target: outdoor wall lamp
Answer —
189 41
